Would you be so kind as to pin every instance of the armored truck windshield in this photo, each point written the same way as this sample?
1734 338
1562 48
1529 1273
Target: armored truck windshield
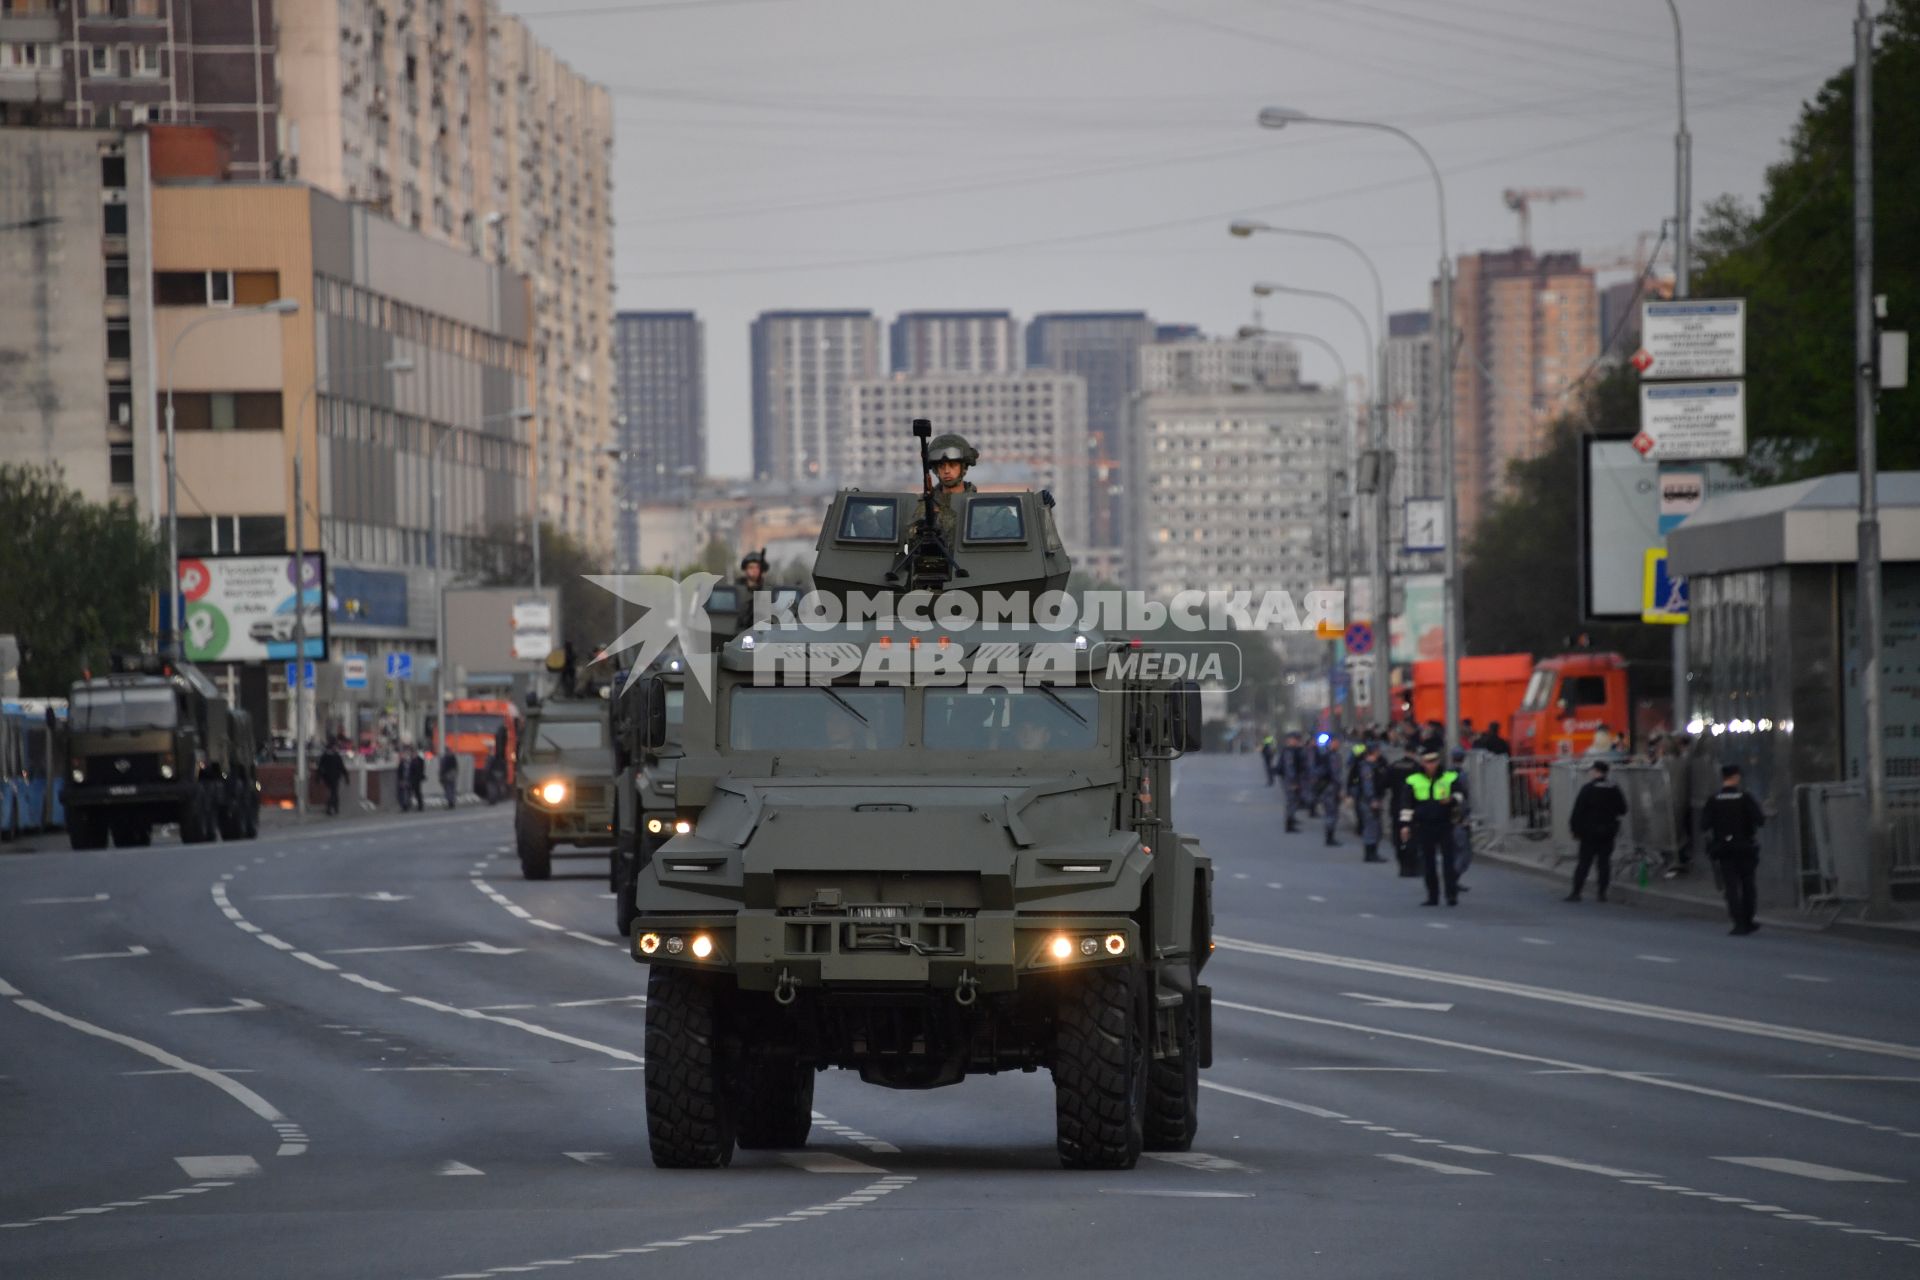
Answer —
570 735
814 717
1039 719
123 707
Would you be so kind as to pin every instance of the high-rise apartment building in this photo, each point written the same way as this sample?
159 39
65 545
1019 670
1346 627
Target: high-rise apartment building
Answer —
955 342
1103 347
802 362
1197 364
1228 490
1528 327
1030 429
1412 400
660 369
119 63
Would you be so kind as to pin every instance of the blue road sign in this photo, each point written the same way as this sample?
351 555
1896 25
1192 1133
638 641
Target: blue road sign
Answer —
1664 596
399 666
305 678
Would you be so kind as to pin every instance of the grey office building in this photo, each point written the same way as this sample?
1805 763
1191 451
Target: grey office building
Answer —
659 362
1103 347
802 363
955 342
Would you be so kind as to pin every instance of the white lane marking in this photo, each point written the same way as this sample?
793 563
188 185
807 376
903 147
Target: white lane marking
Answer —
1435 924
1457 1170
200 1168
1178 1195
1241 875
1538 942
1314 897
246 1097
1573 1068
1805 977
439 1068
1270 1100
1430 1071
1200 1160
130 953
1275 884
454 1169
1604 1004
144 1202
825 1162
1466 1150
371 985
1804 1169
475 947
583 1004
1561 1162
1822 1076
502 1008
531 1027
240 1005
1658 959
174 1071
57 902
382 895
1388 1002
589 1157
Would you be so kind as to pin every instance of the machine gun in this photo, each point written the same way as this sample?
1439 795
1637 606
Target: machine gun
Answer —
927 564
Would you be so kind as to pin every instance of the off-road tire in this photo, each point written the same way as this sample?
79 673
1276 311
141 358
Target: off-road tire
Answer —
1173 1093
1099 1070
536 852
689 1113
197 821
87 830
773 1106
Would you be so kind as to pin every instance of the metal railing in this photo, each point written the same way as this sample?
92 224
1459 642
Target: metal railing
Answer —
1525 801
1831 820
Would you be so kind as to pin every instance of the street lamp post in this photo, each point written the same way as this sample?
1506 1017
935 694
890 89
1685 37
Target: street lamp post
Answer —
278 307
1682 288
1279 118
1259 331
297 686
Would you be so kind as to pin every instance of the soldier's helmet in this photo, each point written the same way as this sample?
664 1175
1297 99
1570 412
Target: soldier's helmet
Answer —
951 448
756 557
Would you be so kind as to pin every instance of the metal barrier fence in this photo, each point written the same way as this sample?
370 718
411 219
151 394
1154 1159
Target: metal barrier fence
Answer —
1832 824
1525 802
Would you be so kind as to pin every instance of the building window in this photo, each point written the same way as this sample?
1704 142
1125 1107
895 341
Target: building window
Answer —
146 60
117 276
116 220
227 411
261 534
201 288
99 60
119 340
120 462
120 404
113 172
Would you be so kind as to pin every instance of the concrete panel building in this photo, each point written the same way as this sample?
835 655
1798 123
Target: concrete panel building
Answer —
660 363
76 325
1030 429
955 342
1103 347
1194 363
802 362
1528 327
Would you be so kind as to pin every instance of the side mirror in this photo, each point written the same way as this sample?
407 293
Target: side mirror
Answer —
1187 716
1566 708
656 696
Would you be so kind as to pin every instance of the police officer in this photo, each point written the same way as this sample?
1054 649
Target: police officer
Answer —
1266 756
1595 822
1397 774
1427 810
1293 776
1356 754
1730 823
1326 780
1369 798
949 455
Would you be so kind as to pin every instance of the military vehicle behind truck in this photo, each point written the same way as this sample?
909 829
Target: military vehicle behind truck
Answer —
922 881
150 743
644 813
564 783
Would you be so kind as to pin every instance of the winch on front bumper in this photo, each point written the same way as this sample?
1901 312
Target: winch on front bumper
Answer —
965 952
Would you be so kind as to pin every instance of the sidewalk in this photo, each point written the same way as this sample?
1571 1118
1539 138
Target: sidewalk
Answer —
273 819
1694 895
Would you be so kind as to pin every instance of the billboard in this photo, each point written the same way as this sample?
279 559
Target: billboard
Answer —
502 630
1620 523
1419 629
368 597
241 608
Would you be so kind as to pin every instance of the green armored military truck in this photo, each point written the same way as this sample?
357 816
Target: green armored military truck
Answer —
566 777
644 789
922 880
153 742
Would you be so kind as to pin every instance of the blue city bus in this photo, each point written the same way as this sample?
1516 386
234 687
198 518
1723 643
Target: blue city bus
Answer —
28 756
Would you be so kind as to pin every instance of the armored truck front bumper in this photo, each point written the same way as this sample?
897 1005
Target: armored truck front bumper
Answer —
978 951
129 795
584 817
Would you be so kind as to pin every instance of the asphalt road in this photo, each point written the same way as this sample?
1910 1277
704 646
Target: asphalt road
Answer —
372 1051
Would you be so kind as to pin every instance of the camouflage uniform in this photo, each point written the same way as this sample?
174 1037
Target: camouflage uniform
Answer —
948 447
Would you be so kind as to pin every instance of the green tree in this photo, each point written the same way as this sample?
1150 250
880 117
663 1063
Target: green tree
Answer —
1791 257
717 557
1521 581
77 578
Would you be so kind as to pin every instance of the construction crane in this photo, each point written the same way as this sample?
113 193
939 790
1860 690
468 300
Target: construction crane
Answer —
1519 199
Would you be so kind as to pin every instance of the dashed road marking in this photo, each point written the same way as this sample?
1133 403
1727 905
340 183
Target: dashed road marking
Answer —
1657 959
200 1168
1804 1169
131 953
56 902
240 1005
1200 1160
454 1169
825 1162
1457 1170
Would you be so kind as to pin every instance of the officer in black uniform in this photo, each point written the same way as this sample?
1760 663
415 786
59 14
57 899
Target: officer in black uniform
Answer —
1595 822
1731 823
1397 774
1293 776
1326 785
1427 810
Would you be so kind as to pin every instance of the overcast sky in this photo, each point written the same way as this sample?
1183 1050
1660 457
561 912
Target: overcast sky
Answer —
1041 155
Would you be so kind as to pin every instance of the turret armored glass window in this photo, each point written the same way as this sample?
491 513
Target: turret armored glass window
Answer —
870 520
995 520
1035 719
816 717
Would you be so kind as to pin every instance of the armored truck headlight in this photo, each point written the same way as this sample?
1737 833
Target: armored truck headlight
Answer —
79 774
655 826
1061 948
1089 946
649 943
166 769
682 827
702 946
1116 944
553 792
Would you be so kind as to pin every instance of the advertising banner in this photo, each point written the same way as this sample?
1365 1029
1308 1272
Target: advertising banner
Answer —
241 608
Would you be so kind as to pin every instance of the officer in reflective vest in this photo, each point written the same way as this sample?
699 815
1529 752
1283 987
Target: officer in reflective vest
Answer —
1427 811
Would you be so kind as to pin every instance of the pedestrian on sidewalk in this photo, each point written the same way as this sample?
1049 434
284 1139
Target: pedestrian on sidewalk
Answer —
417 780
1730 823
1426 806
403 776
1293 776
1595 823
332 770
449 775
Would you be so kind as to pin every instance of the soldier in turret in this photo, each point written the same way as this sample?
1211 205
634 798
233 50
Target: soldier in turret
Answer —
949 455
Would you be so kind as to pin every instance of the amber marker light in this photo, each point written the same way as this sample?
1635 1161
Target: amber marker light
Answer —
1061 948
655 826
1116 944
649 943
